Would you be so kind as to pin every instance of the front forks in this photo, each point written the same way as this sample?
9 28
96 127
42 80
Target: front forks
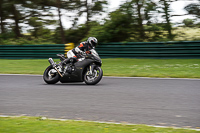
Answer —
90 72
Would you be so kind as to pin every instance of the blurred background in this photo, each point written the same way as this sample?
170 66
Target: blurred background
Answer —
64 21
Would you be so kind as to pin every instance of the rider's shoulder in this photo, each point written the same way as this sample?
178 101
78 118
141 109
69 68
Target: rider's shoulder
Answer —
83 43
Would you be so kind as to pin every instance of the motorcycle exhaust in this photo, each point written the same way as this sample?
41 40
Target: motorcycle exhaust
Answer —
54 66
52 62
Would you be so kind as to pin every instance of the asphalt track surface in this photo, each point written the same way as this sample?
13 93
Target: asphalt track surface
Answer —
164 102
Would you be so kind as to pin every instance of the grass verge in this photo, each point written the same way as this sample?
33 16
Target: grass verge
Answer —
162 68
40 125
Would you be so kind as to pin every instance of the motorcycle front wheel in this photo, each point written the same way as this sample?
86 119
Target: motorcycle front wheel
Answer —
50 76
95 77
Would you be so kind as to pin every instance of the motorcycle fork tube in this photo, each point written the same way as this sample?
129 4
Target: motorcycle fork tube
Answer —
91 68
58 72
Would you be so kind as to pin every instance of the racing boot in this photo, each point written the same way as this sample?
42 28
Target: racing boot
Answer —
68 65
63 65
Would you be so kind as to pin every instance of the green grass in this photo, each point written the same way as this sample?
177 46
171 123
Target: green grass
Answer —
32 66
163 68
174 68
38 125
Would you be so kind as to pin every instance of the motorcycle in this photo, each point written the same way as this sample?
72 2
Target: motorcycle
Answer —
87 69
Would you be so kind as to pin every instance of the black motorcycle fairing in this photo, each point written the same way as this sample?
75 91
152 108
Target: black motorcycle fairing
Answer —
97 60
80 69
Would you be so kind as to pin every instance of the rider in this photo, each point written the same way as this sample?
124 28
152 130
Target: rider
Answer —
83 48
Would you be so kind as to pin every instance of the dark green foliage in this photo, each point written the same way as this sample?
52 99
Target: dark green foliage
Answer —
165 9
116 29
133 21
76 35
188 22
193 9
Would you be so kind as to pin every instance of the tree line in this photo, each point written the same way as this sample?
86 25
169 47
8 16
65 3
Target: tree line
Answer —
133 21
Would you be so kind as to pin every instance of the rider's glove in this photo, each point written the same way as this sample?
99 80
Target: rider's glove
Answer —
84 54
88 52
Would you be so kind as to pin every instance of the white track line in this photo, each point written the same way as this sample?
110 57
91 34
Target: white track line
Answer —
18 75
108 77
148 78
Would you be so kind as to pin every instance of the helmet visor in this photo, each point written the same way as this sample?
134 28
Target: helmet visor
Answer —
93 43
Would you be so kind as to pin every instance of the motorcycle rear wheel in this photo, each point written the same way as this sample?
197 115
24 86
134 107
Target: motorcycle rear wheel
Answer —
95 77
50 78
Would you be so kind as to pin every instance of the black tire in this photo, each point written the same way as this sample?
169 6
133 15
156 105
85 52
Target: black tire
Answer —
50 80
96 79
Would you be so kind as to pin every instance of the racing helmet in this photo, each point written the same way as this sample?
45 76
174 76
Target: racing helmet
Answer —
92 42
